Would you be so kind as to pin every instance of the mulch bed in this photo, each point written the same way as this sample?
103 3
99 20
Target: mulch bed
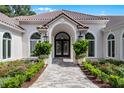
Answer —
94 79
34 78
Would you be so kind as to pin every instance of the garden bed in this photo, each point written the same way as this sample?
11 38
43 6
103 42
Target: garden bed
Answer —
14 74
34 78
94 79
108 72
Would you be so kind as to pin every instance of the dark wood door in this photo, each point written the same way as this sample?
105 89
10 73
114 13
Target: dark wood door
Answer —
62 47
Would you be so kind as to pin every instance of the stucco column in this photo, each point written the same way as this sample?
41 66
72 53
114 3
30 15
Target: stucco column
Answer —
1 46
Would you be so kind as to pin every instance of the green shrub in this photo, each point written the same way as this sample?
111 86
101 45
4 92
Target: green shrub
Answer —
14 82
119 71
35 68
17 80
115 62
114 80
104 77
92 69
121 83
42 48
80 48
17 70
12 68
108 68
96 72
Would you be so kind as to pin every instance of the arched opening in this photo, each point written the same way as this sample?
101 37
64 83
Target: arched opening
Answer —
35 37
6 45
111 45
62 45
91 46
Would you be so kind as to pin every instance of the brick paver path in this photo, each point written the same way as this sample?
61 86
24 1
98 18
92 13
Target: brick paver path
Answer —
63 74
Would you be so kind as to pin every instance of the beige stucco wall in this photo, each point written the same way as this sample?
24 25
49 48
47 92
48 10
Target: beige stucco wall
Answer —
29 30
16 43
117 32
96 30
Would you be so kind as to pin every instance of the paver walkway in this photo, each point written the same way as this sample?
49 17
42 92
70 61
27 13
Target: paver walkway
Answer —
63 74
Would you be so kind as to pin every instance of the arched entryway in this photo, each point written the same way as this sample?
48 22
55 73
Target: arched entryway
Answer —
62 45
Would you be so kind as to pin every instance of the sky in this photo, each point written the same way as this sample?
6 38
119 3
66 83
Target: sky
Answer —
88 9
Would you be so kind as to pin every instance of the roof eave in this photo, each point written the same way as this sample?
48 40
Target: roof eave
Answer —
12 27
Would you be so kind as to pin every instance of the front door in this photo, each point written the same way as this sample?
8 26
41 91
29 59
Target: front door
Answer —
62 45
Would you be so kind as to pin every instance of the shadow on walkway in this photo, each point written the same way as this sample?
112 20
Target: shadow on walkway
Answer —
63 62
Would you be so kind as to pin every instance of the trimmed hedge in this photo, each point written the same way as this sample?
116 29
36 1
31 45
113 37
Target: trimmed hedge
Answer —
15 82
114 80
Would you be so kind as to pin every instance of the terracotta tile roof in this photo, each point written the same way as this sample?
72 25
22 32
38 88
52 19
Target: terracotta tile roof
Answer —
10 22
50 15
114 20
63 14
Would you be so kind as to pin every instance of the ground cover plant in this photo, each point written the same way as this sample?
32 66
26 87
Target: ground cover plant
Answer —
14 73
109 71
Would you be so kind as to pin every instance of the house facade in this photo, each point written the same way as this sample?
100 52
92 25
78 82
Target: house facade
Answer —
62 28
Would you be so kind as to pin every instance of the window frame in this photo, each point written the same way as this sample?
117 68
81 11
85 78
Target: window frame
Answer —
94 45
7 46
111 44
122 46
31 40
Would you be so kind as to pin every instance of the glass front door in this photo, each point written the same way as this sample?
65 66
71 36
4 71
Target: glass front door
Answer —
58 48
62 45
65 47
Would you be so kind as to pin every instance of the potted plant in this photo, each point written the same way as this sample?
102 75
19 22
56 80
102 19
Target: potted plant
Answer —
80 47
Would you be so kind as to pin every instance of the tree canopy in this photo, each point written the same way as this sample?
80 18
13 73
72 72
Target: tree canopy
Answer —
16 10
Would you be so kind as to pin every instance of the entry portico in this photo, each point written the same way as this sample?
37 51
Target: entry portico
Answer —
62 32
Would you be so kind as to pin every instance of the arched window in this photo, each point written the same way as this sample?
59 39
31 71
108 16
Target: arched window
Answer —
6 45
111 45
123 45
33 40
91 46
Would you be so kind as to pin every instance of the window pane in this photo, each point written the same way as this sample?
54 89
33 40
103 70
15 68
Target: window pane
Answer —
89 36
32 46
123 36
7 35
65 47
109 48
111 36
35 36
113 48
4 49
9 48
62 36
91 49
58 48
123 48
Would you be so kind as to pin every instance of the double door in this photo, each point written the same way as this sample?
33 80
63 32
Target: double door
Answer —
62 48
